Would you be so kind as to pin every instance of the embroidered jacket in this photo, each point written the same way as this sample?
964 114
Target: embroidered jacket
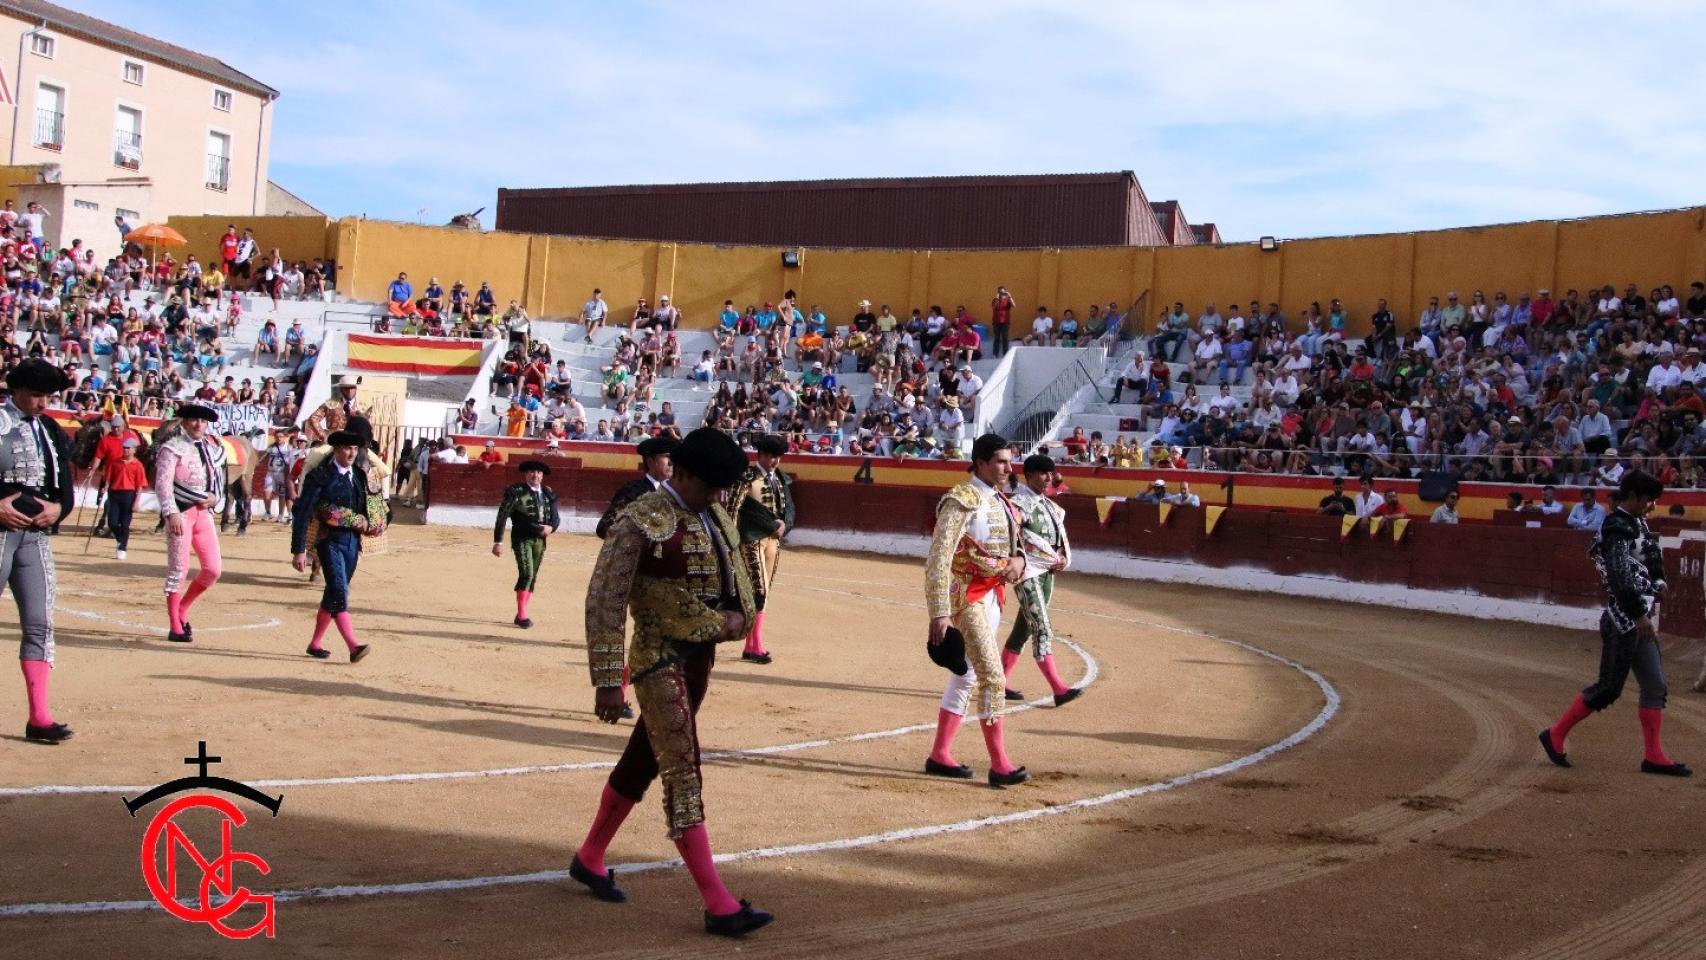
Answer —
1631 566
976 531
531 513
331 499
626 494
26 464
763 503
189 470
1043 531
676 571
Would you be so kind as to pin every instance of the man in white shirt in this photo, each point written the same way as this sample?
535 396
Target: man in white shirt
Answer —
1266 414
1286 389
1366 500
1295 360
1042 329
1548 505
1691 370
1224 403
1664 374
1587 515
1208 355
1594 424
968 387
594 312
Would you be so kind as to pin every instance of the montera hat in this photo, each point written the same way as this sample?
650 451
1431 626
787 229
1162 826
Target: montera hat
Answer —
771 444
345 438
37 375
656 447
712 456
950 654
195 411
538 465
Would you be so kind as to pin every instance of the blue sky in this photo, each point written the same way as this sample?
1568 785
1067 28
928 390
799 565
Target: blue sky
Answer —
1309 118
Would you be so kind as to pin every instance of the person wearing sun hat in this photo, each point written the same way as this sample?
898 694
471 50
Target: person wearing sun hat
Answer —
764 506
189 481
334 414
335 501
530 508
672 557
35 492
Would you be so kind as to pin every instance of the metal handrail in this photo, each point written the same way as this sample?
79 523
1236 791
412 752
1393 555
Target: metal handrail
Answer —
1021 429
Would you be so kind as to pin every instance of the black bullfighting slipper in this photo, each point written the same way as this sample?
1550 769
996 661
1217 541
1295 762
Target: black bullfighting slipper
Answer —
1553 754
604 888
759 658
356 655
737 924
524 622
1013 778
319 653
52 733
1071 694
189 631
1014 695
961 772
627 711
178 637
1666 769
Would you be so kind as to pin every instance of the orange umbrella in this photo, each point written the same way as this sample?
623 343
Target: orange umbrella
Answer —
157 234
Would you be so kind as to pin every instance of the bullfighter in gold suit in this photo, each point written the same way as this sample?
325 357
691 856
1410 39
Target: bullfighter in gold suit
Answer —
764 508
670 558
976 552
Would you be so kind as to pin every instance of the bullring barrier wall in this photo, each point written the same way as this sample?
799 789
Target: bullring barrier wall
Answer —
1491 569
552 275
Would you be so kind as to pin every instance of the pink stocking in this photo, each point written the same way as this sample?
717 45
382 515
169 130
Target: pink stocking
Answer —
695 848
755 638
322 620
1046 665
994 739
35 686
947 724
522 598
1008 659
175 611
346 627
613 808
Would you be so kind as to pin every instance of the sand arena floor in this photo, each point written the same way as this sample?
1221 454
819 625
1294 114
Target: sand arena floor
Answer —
434 793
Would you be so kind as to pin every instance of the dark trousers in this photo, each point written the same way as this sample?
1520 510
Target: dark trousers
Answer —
236 497
1620 654
638 766
121 506
1001 338
338 554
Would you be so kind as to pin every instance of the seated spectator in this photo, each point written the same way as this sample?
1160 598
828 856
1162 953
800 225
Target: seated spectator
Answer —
1336 504
1587 515
490 457
400 297
1447 511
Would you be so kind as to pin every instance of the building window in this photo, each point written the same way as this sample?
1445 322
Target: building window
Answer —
127 139
130 216
218 161
133 72
50 117
41 45
222 100
86 205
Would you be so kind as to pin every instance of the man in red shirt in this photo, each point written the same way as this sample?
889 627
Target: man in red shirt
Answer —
490 456
109 450
123 480
228 249
1001 317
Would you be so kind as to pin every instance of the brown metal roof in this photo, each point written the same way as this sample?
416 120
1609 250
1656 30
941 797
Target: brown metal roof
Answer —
61 20
1206 233
1086 209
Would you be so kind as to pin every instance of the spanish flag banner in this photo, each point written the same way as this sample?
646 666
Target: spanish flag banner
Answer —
1211 518
1105 509
1400 526
1347 523
419 355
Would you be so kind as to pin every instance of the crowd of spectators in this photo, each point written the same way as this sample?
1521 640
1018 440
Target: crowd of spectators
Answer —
1568 391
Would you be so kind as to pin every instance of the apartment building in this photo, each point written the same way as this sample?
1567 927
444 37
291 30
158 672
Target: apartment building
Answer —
119 123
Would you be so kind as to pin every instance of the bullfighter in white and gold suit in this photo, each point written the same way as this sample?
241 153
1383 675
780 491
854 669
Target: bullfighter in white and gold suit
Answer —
1047 551
975 554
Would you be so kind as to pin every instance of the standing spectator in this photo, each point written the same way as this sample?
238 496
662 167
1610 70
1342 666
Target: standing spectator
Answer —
228 245
1001 319
247 248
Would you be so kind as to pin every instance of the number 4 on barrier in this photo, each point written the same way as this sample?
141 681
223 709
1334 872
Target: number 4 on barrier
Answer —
864 473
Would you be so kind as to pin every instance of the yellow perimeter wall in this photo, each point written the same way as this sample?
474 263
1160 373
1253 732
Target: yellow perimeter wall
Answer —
551 275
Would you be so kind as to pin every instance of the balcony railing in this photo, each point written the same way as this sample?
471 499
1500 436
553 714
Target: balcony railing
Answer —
127 150
218 172
50 129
